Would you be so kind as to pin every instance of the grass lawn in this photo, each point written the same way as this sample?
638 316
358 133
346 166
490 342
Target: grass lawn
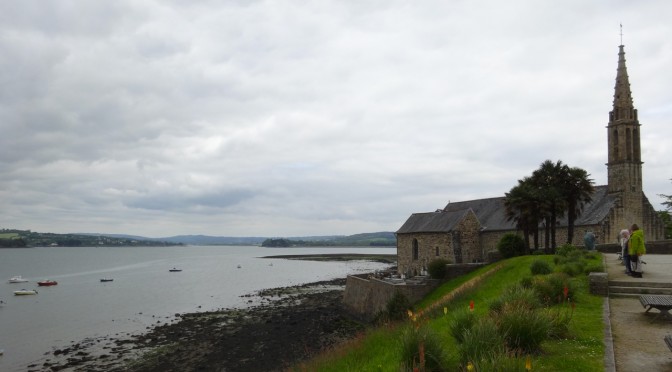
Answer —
380 348
9 235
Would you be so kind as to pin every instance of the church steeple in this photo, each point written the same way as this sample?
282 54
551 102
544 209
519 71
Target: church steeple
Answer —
623 105
624 166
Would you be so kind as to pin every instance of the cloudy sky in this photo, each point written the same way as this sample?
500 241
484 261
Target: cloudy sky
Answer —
287 118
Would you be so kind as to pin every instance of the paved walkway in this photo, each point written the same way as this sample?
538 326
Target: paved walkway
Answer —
637 338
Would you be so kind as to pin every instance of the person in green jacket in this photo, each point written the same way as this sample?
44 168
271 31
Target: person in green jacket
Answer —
636 249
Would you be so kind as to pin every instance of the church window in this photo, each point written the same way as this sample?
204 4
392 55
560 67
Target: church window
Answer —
437 251
415 250
616 157
635 143
628 144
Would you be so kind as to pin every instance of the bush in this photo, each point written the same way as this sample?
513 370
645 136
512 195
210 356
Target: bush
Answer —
482 342
526 282
565 249
420 344
593 268
550 289
516 295
397 306
559 318
437 268
524 329
461 321
573 268
511 245
540 267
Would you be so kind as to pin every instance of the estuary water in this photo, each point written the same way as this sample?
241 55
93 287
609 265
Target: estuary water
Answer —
143 291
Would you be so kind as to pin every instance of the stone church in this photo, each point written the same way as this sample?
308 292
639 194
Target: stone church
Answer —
465 231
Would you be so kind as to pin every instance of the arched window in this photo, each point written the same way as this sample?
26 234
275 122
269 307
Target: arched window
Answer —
416 252
616 157
437 251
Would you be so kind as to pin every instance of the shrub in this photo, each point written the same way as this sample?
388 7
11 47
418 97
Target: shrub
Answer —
516 295
437 268
559 318
511 245
422 346
593 268
396 307
565 249
462 320
550 289
526 282
540 267
573 268
524 329
482 342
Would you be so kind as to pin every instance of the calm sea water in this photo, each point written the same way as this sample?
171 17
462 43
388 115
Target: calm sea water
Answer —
143 290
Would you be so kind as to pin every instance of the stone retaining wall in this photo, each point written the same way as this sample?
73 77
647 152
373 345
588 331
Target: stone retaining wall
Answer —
367 295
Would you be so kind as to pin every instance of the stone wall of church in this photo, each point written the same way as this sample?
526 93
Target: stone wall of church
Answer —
470 240
428 244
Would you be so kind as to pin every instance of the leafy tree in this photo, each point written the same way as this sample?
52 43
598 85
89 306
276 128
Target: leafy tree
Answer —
668 201
511 245
667 220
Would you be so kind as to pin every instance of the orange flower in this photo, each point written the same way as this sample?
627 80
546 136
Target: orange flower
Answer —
528 363
471 305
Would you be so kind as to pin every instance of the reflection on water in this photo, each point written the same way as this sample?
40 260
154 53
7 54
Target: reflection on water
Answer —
143 292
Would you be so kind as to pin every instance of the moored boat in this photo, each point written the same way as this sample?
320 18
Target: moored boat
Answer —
106 279
175 270
25 292
46 283
17 279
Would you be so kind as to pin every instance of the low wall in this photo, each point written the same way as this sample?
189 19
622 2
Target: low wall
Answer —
366 295
655 247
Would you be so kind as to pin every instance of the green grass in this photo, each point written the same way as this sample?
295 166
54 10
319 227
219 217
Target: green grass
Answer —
379 349
9 235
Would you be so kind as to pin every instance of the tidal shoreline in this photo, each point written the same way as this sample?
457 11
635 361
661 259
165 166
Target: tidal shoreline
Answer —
289 325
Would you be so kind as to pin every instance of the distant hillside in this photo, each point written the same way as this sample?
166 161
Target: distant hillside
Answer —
29 238
379 239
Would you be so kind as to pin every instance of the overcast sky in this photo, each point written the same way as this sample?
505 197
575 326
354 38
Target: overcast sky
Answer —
293 118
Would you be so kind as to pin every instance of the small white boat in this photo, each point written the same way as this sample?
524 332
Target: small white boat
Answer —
17 279
25 292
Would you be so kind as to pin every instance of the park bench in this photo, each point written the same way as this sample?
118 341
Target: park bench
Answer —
662 303
668 341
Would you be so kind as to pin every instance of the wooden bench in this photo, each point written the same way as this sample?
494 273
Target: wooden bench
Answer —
668 341
662 303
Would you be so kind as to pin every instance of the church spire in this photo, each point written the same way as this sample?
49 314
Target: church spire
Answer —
623 105
624 165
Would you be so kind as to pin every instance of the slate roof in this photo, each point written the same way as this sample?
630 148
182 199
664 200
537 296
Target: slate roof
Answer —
491 213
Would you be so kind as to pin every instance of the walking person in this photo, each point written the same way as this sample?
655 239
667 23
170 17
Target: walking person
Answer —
623 237
636 249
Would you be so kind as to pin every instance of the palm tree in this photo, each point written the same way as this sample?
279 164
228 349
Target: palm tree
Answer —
577 189
548 179
522 206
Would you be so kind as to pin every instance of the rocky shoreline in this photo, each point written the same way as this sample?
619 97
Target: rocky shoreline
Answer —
290 325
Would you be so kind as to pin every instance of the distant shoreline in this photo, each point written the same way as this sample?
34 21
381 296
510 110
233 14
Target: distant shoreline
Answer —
384 258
